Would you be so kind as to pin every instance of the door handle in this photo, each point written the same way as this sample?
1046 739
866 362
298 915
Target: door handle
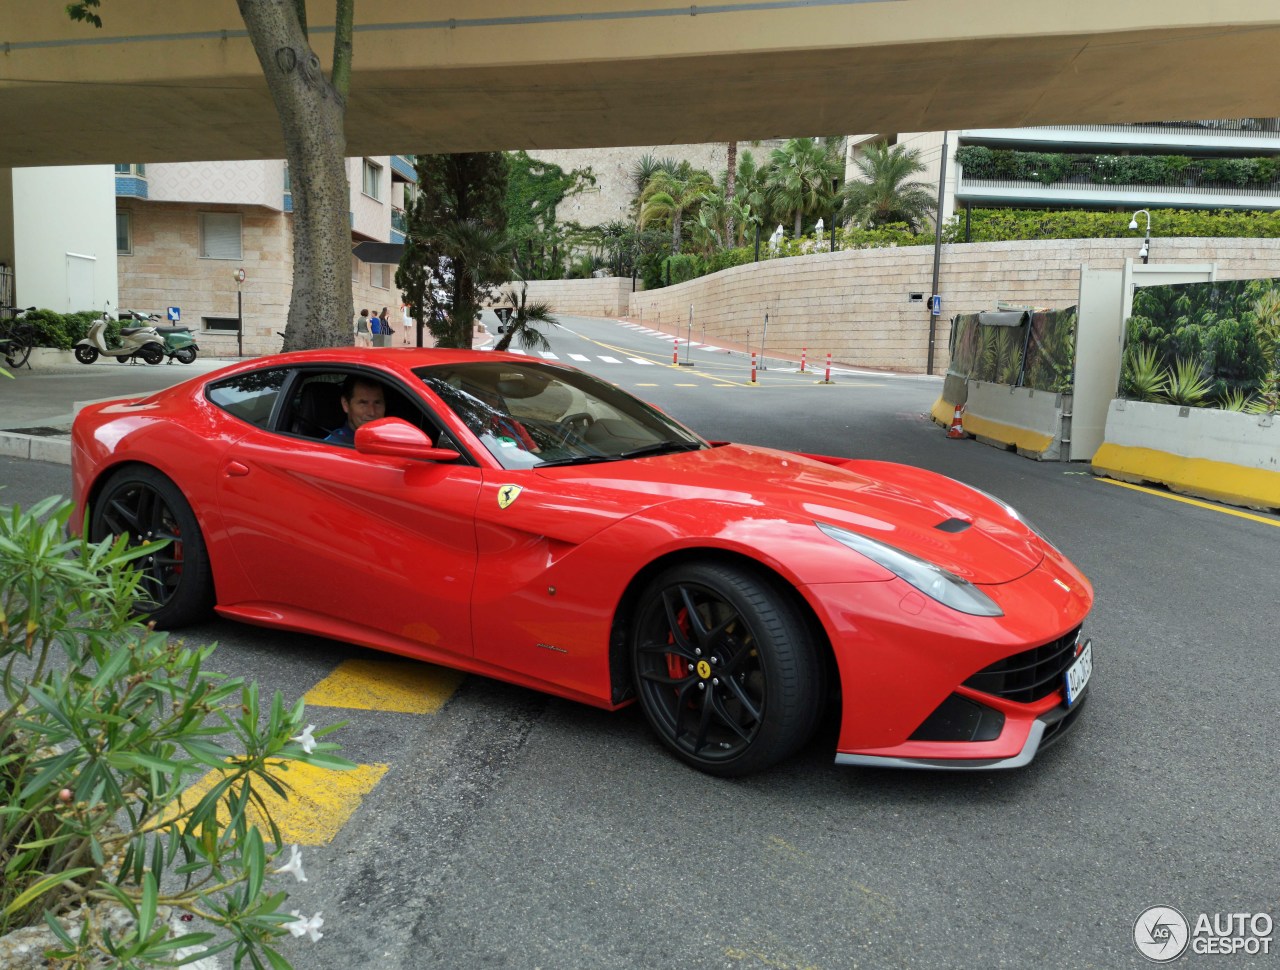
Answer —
236 469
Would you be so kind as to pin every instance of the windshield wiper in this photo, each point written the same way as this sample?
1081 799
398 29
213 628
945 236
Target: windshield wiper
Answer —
659 447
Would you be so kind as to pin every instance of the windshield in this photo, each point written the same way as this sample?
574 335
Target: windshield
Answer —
530 413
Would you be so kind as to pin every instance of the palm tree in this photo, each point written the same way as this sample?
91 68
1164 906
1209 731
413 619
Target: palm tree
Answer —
800 178
523 315
752 192
669 196
884 194
730 177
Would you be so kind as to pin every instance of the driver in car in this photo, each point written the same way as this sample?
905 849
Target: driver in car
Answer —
362 401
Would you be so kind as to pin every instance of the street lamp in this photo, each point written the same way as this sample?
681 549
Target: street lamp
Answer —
1146 243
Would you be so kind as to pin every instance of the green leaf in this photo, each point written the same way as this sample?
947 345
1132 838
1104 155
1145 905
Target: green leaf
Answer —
43 886
147 907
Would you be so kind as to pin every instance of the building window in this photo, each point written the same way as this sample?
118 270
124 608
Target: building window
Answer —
355 269
220 235
372 183
136 170
223 324
380 275
124 234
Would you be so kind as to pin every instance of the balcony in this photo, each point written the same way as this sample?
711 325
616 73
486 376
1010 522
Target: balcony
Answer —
131 181
402 169
1204 137
999 177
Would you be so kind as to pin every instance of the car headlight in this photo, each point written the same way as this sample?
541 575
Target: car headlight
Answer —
932 580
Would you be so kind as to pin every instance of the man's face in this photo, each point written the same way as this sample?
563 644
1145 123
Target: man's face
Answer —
365 404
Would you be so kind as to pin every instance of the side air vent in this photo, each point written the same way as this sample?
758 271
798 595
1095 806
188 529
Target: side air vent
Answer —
953 525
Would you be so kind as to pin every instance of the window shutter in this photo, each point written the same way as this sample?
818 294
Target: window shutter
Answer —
220 235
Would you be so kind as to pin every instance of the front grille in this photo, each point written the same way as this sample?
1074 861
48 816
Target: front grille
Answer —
1028 676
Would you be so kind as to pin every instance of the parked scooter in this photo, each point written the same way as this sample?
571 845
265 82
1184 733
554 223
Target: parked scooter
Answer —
179 345
135 343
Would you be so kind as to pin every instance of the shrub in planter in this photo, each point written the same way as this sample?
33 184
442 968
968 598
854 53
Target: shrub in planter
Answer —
104 723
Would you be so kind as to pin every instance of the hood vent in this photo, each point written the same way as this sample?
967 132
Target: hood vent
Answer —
953 525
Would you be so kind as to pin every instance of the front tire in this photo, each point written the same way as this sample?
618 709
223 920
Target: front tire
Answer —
86 355
725 667
177 583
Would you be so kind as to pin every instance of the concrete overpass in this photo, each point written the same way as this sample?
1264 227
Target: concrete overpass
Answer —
166 81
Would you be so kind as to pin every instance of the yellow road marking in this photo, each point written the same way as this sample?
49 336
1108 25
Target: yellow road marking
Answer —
405 686
1191 501
320 800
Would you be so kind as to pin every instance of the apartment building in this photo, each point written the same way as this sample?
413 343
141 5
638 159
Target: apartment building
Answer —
214 240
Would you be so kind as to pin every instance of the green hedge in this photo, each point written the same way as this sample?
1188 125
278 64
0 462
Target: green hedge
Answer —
62 330
1001 225
980 162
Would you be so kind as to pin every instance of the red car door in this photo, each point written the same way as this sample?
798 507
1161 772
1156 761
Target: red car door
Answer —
356 542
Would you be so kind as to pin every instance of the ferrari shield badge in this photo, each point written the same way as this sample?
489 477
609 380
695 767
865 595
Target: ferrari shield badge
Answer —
508 494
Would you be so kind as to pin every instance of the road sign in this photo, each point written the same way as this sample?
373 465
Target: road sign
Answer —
175 313
935 304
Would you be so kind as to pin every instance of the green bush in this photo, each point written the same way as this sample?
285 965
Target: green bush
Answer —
62 330
980 162
104 724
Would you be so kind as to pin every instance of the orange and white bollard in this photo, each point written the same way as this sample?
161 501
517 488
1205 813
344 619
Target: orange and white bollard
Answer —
827 379
803 352
675 351
753 367
957 424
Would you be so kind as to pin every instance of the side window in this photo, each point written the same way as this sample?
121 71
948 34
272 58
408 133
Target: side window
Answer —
315 406
249 397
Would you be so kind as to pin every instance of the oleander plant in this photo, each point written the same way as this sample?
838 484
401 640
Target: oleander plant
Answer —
105 722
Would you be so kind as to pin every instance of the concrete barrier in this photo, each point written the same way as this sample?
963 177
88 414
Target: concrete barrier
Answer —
1223 455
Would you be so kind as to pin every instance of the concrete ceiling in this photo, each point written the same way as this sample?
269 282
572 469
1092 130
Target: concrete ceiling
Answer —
167 81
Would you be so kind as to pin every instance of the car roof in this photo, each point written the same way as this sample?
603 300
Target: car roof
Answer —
403 359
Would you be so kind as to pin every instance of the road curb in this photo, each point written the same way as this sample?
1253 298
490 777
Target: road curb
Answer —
35 447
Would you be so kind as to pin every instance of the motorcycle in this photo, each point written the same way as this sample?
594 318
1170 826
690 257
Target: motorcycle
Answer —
179 345
135 343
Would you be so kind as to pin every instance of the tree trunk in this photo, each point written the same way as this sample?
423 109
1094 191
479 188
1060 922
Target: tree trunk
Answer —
730 183
312 112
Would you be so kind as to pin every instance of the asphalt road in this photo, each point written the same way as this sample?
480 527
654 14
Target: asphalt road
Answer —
514 830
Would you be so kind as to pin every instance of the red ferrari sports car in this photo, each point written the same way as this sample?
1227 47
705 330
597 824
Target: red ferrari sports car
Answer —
526 521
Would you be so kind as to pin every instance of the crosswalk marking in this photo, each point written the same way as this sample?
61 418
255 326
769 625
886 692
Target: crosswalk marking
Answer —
637 360
548 355
580 357
610 360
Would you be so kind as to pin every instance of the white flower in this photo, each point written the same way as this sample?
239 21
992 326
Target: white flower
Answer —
306 740
294 866
303 926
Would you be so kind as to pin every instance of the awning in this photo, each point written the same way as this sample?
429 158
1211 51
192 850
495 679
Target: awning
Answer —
378 252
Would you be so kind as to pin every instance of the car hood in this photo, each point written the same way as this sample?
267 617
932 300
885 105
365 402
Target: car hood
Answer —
917 511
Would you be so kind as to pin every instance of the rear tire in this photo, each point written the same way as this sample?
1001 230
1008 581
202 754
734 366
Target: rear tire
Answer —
86 355
725 668
152 354
140 502
185 355
20 342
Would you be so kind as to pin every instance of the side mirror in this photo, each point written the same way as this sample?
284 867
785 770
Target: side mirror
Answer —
400 439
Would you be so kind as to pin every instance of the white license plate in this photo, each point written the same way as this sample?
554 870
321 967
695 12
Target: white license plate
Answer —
1078 673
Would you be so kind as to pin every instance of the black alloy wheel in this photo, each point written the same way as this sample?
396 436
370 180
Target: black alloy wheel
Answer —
177 582
86 355
185 355
725 668
151 353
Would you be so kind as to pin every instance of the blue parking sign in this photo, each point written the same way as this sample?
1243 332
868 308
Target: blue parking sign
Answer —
935 304
175 313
